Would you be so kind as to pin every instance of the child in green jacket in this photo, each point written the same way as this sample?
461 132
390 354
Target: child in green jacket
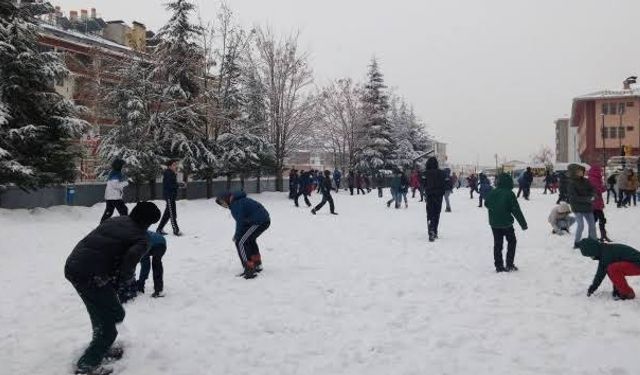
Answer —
503 207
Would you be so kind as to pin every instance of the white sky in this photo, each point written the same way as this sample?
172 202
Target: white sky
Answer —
487 76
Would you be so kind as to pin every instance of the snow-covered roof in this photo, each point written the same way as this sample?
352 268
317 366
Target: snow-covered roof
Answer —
610 94
87 40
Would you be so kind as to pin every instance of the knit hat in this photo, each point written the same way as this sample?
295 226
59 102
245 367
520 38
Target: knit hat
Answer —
564 208
145 214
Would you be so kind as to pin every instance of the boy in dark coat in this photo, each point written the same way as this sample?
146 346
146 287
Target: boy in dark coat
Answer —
293 183
252 219
102 270
503 207
615 260
170 195
472 184
325 189
304 185
435 183
153 257
563 187
484 188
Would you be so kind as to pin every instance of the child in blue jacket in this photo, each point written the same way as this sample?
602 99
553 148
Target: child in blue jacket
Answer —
252 219
153 258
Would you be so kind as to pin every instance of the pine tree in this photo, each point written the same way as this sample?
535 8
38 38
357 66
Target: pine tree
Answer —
377 144
134 140
179 67
37 125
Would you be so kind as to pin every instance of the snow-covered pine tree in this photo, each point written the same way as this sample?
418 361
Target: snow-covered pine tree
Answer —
37 125
134 139
178 70
377 143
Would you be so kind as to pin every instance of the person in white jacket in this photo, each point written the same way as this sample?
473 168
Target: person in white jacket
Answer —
116 182
560 218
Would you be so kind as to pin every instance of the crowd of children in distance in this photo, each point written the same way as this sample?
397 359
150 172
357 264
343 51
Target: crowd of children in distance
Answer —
102 266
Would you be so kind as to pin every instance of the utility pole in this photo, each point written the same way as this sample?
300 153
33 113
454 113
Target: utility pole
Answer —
604 148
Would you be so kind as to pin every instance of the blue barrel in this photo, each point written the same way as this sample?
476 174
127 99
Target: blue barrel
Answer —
71 194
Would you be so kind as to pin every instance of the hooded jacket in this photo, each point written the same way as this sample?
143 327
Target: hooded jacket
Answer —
633 181
246 211
116 182
109 253
485 186
595 179
623 180
325 184
581 193
559 212
434 179
503 205
607 254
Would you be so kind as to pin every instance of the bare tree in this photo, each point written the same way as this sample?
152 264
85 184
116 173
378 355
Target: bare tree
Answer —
340 120
284 73
543 156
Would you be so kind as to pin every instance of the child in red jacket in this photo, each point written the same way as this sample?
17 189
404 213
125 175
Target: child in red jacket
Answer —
595 179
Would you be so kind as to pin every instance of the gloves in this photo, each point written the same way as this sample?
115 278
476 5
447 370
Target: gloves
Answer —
525 227
591 290
127 290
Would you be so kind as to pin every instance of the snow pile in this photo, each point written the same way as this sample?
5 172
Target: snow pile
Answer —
359 293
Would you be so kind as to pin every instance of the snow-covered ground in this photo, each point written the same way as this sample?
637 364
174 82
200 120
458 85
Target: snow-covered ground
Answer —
359 293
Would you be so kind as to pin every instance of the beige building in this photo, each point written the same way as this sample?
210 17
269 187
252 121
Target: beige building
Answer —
562 140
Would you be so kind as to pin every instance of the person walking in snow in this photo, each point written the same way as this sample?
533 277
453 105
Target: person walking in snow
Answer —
632 188
325 189
153 258
351 181
623 187
367 183
581 196
563 187
435 185
404 188
472 184
560 219
484 188
614 260
101 268
448 190
293 183
612 180
548 182
414 183
379 179
337 177
360 183
503 208
170 195
396 193
304 185
252 219
116 182
595 179
525 183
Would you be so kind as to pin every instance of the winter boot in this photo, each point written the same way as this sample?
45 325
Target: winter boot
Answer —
334 213
115 353
157 294
249 273
500 268
511 268
99 370
432 236
140 286
162 233
313 211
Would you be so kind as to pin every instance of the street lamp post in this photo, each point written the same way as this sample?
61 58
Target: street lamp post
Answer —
604 147
620 110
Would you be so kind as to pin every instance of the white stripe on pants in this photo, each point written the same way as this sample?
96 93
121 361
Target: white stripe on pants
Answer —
243 253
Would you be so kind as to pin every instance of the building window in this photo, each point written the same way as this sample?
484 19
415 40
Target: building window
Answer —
621 108
629 104
621 132
605 108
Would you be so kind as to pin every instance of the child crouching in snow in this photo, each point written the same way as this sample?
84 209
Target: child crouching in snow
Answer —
614 260
252 219
560 218
503 207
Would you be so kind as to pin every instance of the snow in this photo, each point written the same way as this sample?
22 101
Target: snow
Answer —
359 293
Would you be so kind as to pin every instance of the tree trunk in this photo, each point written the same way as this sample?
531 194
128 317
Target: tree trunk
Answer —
242 182
258 187
279 181
228 182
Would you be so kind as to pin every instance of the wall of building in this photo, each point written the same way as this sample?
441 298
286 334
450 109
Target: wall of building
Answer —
90 194
562 140
630 122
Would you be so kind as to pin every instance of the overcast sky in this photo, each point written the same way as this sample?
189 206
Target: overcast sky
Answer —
486 76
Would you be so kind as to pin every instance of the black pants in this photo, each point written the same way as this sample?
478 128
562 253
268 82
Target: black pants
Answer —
169 213
153 259
434 208
306 198
480 200
351 189
247 246
361 190
526 191
105 311
337 185
471 190
610 190
380 195
114 204
326 198
499 234
519 191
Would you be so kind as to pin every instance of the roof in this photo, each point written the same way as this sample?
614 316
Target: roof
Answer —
610 94
85 39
